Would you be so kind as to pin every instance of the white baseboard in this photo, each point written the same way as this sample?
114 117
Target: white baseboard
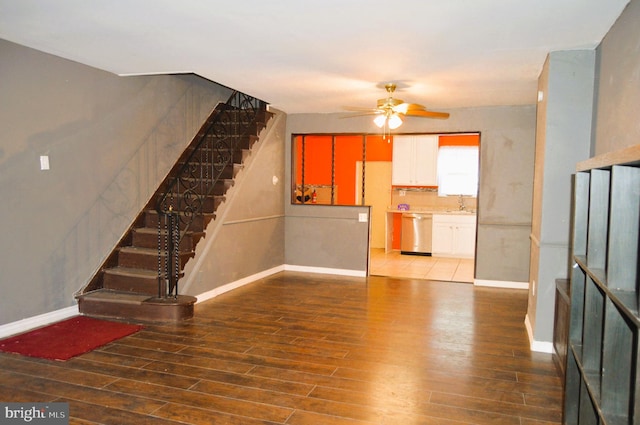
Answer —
29 323
249 279
325 270
501 284
539 346
237 284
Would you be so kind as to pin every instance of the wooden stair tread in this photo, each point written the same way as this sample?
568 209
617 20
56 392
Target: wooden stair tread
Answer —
103 295
142 250
131 272
154 231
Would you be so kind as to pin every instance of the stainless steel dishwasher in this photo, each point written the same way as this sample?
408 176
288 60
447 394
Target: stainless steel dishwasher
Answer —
416 233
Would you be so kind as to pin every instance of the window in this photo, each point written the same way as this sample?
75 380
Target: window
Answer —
458 170
329 169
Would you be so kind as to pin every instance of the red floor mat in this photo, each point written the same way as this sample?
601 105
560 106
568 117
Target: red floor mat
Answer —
67 339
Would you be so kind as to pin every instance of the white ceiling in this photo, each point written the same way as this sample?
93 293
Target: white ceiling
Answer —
319 56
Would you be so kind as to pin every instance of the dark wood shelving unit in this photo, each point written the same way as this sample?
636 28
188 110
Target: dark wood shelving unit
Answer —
603 358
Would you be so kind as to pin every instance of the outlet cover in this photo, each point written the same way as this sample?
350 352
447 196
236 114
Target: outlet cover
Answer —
363 217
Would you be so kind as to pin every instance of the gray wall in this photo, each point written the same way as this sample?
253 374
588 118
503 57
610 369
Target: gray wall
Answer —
504 203
110 141
618 102
568 134
329 237
563 137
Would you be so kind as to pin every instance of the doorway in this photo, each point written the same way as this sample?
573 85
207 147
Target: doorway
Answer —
453 186
377 194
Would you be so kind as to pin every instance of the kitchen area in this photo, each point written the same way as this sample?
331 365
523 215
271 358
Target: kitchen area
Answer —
422 189
430 224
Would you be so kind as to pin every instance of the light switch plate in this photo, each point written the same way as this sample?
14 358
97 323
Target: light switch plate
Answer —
363 217
44 162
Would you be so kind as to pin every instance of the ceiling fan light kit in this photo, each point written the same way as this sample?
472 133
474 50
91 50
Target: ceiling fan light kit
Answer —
393 121
391 111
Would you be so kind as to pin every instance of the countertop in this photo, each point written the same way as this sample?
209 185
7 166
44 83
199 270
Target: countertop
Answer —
431 211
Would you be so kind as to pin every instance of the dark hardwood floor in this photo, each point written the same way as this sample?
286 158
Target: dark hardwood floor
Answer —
305 349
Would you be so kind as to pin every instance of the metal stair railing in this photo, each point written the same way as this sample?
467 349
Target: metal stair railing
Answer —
193 185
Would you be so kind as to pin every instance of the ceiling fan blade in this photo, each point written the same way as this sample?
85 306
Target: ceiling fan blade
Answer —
363 113
428 114
359 109
404 108
392 107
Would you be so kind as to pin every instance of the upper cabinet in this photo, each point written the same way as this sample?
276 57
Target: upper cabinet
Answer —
415 160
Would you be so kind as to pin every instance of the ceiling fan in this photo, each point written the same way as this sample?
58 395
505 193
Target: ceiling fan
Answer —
391 111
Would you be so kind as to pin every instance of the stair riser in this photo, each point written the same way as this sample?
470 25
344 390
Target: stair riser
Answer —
237 157
146 312
237 142
205 170
145 261
198 225
221 187
193 184
251 129
140 285
150 240
210 203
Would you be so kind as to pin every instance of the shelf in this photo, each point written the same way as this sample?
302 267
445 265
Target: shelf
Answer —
594 302
573 380
622 264
617 362
588 412
630 155
603 358
576 313
627 301
580 214
598 219
598 275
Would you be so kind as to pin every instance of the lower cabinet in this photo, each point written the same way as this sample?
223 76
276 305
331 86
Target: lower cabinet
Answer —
454 235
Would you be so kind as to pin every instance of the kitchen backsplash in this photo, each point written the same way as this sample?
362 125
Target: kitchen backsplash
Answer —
429 199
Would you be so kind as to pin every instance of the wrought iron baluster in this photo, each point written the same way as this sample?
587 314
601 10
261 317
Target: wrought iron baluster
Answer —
195 182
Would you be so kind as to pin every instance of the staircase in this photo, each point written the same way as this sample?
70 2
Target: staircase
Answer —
139 280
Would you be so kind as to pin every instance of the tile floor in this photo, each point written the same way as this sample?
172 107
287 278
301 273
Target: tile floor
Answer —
421 267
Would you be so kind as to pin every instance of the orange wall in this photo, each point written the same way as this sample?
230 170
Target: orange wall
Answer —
379 149
459 140
348 151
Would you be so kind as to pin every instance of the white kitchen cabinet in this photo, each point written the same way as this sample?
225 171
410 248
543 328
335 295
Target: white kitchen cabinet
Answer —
415 160
454 235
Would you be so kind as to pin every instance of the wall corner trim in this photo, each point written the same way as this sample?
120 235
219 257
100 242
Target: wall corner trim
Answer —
325 270
237 284
501 284
285 267
29 323
539 346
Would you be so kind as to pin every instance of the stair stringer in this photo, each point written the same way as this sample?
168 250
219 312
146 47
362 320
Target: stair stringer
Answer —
247 236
